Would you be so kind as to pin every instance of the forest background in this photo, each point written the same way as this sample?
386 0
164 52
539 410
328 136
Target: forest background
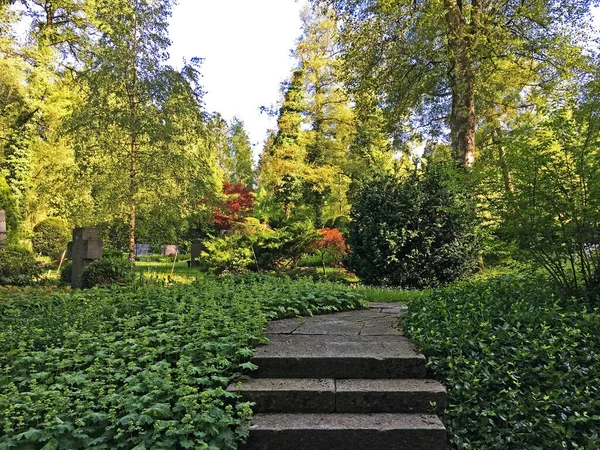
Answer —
97 129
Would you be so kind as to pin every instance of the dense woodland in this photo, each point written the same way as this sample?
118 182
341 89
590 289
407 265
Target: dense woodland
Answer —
98 130
427 145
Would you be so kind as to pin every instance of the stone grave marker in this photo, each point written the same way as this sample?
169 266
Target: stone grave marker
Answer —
195 251
143 249
2 229
168 250
85 248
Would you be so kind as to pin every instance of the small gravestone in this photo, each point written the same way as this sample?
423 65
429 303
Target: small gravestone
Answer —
85 248
168 250
143 249
195 251
2 229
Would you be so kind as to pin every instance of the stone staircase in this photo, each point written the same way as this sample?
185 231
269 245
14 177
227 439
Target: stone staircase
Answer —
345 381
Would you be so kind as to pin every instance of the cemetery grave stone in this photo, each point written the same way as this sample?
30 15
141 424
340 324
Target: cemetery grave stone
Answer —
85 248
195 251
168 250
143 249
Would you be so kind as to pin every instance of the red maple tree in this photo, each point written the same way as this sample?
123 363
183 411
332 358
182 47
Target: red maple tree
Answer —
331 242
237 205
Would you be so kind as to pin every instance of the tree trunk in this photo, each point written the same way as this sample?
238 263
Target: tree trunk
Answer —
132 191
133 130
463 120
506 175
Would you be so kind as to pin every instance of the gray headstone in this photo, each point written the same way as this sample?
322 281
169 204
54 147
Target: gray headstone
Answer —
2 229
85 248
168 250
143 249
195 253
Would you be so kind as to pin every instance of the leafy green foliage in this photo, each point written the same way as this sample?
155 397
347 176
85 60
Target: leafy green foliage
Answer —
554 212
260 249
50 237
228 253
522 371
106 272
145 366
18 267
66 272
413 232
7 203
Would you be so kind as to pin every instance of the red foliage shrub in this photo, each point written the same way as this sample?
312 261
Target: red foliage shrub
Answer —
331 242
238 204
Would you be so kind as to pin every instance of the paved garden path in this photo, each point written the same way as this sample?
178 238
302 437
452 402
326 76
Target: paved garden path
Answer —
343 381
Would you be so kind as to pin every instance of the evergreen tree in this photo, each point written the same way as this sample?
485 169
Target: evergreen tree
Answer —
241 154
286 168
330 117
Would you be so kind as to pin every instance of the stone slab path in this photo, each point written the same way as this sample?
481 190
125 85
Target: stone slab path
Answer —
343 381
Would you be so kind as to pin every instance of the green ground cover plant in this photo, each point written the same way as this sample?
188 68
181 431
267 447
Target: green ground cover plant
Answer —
140 367
522 367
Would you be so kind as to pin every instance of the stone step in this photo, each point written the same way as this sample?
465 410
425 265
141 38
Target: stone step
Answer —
309 395
289 395
338 356
346 432
390 396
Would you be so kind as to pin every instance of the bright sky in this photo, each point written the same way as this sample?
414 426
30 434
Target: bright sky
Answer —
246 48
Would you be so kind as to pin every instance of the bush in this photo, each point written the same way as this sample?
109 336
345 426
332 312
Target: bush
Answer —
413 232
8 204
522 371
112 253
50 237
260 250
285 247
18 267
65 272
342 223
229 253
141 368
554 212
106 272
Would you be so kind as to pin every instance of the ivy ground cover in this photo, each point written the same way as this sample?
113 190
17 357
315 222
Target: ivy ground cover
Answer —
141 367
522 368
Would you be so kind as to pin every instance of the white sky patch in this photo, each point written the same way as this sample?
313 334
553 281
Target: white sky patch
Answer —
246 49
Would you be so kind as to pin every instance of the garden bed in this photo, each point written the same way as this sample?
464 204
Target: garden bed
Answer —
522 368
141 367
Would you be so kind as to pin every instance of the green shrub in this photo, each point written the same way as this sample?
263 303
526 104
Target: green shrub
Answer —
413 232
9 205
228 253
314 260
106 272
50 237
285 247
142 367
342 223
112 253
65 272
553 211
18 267
260 250
522 371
